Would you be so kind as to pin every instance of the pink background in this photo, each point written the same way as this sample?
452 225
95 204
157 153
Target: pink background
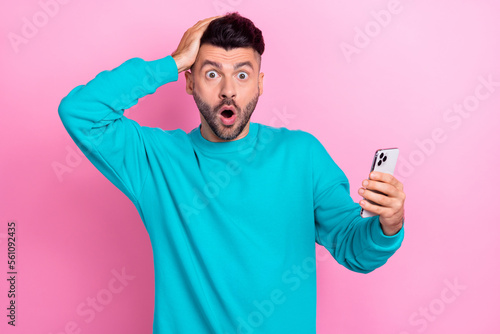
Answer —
396 90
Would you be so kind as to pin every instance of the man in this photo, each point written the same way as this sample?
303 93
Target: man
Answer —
233 208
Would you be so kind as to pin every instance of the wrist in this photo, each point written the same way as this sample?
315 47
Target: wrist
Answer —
391 230
179 63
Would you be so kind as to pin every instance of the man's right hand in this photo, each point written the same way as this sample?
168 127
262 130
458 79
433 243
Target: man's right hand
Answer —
187 51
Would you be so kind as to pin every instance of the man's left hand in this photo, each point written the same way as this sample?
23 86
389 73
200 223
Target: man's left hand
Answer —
390 206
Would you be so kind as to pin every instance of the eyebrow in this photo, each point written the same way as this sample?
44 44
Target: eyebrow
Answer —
219 65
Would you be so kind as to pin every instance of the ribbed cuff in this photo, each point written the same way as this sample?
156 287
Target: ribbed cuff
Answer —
164 70
383 240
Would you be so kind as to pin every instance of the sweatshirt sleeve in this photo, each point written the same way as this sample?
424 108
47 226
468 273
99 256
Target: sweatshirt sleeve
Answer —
93 116
357 243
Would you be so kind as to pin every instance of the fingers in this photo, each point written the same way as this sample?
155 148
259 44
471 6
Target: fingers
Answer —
186 52
382 205
376 209
377 198
206 21
387 178
388 198
197 29
383 189
203 24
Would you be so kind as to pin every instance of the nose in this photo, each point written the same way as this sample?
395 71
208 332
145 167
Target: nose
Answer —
228 90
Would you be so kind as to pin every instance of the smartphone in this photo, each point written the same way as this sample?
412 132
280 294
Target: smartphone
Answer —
384 161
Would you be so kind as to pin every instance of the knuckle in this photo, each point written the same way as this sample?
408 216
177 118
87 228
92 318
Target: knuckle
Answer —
375 185
369 194
384 200
397 206
377 209
371 207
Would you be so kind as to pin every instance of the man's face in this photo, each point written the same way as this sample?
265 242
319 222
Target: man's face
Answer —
225 78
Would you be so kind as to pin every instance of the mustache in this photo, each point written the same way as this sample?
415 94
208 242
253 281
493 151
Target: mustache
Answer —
228 103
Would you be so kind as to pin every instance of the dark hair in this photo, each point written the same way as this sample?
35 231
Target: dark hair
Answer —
233 31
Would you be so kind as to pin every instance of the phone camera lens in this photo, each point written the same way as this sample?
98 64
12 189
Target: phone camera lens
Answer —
379 162
381 155
385 158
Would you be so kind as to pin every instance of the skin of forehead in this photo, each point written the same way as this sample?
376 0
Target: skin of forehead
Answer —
227 58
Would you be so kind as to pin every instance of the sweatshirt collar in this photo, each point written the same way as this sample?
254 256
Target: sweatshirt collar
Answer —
224 147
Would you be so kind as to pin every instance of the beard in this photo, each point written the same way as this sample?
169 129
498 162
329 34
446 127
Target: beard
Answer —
221 130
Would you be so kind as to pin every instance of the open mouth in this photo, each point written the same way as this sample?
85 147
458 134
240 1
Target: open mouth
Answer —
228 113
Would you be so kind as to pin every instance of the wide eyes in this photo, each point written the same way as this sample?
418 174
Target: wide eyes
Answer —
213 74
242 75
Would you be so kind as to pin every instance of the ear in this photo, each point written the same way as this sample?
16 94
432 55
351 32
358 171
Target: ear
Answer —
261 83
189 82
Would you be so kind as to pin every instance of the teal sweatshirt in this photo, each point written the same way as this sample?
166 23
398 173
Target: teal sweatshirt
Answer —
233 225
